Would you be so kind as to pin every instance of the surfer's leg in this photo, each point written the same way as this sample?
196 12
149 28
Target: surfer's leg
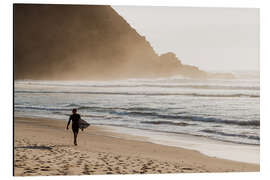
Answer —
75 133
75 138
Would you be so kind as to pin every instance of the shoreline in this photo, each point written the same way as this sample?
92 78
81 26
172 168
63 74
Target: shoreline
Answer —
44 147
247 153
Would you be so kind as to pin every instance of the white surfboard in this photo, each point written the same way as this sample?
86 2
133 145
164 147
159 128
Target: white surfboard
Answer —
83 124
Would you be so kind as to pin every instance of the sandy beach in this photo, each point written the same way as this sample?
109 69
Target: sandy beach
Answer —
44 147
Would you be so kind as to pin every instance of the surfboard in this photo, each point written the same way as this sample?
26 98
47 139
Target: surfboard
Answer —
83 124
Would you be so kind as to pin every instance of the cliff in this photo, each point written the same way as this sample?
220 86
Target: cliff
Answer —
72 42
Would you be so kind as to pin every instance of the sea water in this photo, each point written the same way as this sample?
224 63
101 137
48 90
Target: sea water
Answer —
220 109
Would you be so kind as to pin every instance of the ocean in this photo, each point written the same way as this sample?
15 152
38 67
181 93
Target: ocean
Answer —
219 109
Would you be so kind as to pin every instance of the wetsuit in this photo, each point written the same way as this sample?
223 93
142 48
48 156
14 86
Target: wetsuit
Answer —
75 122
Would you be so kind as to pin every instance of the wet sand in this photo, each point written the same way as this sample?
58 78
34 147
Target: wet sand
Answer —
44 147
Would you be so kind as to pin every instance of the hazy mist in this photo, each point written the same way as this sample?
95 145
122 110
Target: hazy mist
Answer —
223 39
75 42
86 42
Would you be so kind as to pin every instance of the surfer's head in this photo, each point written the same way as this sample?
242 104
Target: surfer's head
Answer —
74 111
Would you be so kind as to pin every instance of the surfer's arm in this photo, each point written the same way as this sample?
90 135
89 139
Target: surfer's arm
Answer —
68 121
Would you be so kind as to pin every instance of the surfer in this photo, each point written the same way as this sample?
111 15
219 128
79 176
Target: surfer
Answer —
75 124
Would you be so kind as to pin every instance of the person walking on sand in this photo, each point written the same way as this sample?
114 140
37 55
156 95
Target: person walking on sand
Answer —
75 124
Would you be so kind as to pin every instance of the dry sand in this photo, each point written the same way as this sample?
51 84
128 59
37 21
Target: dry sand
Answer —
44 147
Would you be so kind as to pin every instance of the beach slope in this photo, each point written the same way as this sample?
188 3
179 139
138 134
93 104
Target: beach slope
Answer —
44 147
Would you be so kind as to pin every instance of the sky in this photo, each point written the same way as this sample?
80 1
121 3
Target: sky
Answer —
214 39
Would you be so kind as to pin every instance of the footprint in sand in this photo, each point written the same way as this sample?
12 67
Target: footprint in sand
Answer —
109 168
186 168
86 169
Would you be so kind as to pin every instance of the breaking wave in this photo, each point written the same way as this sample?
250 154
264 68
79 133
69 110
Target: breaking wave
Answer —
166 123
145 112
139 83
144 93
231 134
